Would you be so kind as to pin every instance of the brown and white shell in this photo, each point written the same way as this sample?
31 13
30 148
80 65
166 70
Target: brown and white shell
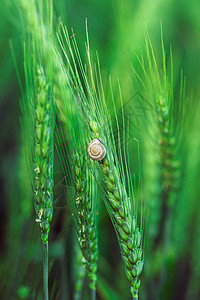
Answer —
96 150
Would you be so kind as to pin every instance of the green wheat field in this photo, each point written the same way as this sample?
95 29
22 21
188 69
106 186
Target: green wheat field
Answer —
100 150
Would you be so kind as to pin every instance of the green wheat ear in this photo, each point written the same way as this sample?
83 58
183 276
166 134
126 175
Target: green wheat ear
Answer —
169 116
81 193
86 226
38 113
87 93
43 154
120 208
166 125
81 198
37 106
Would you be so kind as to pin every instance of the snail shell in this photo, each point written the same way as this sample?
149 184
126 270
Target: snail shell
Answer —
96 150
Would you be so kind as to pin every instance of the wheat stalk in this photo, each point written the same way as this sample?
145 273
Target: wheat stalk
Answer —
79 272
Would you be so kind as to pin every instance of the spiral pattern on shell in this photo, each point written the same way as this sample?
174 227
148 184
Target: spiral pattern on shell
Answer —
96 150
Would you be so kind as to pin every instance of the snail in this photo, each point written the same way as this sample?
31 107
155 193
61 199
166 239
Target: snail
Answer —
96 150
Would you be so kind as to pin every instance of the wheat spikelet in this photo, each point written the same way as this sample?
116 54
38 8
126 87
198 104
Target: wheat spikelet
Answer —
43 155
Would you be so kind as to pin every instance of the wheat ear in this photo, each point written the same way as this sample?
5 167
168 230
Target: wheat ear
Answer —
81 199
43 156
85 222
93 107
168 160
124 221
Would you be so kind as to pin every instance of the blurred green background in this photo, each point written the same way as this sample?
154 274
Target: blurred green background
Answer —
116 31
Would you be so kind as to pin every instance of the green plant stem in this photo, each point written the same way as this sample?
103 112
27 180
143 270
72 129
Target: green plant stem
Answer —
77 295
45 272
92 294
